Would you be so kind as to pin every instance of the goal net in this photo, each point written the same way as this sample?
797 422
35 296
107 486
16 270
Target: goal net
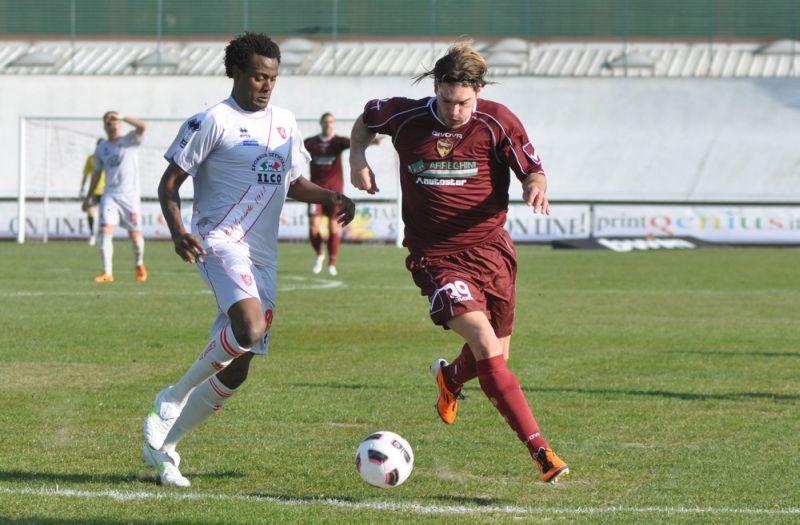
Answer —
54 150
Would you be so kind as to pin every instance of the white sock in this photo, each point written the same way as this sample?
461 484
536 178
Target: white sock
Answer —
202 403
138 250
218 353
107 252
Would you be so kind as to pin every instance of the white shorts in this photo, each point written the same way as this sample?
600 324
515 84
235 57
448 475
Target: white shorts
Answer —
231 276
124 209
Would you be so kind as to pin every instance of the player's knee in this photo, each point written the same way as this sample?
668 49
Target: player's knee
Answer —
250 333
486 345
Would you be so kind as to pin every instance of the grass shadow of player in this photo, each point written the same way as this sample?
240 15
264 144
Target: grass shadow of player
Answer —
686 396
475 501
64 478
150 477
39 520
734 354
61 477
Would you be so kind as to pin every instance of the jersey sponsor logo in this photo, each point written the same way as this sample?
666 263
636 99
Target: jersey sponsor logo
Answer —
250 142
269 168
444 146
417 167
243 133
530 151
324 161
281 131
447 134
440 182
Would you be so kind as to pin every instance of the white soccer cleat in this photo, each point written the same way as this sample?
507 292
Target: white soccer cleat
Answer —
332 270
92 240
159 421
318 264
166 464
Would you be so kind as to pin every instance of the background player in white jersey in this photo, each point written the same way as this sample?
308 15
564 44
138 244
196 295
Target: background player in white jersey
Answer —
118 157
245 156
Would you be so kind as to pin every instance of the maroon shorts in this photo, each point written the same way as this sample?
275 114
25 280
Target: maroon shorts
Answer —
318 210
480 278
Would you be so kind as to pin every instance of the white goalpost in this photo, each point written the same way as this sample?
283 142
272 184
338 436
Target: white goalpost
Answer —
53 151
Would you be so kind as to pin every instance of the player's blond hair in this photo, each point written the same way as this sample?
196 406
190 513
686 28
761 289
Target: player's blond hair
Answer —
462 64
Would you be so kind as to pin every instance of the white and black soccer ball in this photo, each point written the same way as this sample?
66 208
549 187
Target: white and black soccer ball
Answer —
384 459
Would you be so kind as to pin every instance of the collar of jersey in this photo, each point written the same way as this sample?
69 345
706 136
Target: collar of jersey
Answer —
251 114
432 101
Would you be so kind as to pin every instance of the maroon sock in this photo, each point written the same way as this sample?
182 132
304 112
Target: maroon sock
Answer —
502 388
461 370
333 247
316 242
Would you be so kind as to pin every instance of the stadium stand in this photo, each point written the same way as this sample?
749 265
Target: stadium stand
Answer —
509 57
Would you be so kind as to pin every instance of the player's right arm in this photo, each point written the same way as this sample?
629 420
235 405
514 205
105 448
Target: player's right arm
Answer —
186 245
361 175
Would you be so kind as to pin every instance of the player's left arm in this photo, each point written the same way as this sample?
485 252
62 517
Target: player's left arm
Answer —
517 150
303 190
534 192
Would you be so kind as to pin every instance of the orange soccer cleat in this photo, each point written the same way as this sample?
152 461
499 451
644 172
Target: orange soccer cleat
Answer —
141 273
447 403
104 278
550 465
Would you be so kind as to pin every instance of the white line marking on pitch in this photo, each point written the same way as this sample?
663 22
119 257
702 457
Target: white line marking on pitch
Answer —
298 282
417 508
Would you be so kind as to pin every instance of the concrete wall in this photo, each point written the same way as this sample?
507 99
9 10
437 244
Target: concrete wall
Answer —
651 139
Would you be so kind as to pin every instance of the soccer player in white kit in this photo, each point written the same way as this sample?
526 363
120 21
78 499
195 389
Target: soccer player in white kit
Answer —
118 156
245 156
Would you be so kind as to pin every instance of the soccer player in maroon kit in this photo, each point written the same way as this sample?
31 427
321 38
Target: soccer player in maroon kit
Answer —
455 153
326 171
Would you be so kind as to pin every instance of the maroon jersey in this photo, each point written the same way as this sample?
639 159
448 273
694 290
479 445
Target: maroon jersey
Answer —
454 181
326 161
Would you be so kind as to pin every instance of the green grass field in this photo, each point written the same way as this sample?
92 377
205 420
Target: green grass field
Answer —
670 382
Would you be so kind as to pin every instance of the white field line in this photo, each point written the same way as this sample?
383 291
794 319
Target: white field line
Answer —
295 283
415 508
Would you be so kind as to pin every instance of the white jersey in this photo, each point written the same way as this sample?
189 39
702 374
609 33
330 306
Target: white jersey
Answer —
120 160
242 164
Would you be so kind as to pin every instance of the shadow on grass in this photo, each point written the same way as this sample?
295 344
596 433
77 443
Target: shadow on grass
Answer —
131 477
735 354
686 396
82 521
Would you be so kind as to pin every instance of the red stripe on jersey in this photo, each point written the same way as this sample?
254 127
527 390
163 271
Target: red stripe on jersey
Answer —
228 212
259 215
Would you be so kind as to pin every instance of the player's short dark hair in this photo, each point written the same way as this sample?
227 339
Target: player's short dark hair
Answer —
462 64
324 116
241 49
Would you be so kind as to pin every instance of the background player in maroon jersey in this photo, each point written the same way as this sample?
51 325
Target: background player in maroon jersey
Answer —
455 153
326 171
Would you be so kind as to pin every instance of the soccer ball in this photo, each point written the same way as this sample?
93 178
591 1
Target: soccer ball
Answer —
384 459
